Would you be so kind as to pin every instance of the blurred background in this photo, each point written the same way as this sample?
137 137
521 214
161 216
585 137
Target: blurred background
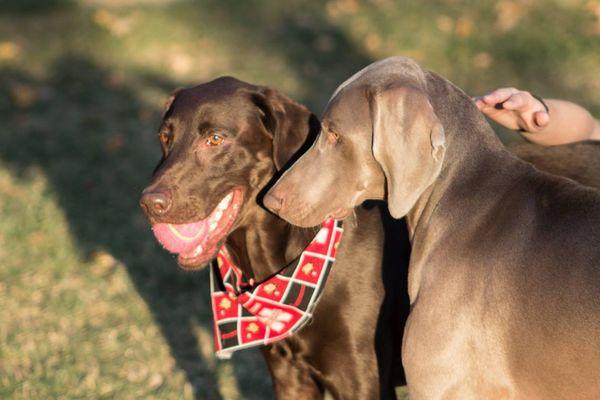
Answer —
90 306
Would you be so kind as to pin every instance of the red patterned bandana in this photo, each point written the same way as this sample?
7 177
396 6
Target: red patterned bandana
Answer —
246 314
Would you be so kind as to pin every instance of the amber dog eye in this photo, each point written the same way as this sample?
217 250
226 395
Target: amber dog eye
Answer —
214 140
333 137
165 138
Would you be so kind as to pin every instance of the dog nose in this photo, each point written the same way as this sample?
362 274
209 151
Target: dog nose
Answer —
272 202
156 203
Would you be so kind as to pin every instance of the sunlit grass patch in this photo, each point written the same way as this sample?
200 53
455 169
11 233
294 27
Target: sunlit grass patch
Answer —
69 326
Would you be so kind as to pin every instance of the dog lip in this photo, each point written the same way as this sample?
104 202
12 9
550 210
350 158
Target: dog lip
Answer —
195 263
200 261
308 218
181 238
215 237
340 213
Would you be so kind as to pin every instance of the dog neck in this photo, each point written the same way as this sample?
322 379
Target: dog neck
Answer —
477 173
473 154
266 244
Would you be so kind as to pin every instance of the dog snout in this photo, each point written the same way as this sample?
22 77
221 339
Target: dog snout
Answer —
273 202
156 203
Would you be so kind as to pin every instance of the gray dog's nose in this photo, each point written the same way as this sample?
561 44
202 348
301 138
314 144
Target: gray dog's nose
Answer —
156 203
272 202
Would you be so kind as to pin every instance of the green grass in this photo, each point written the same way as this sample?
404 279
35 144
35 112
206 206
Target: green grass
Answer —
90 307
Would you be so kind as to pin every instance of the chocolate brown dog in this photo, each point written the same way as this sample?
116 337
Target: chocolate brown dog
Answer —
222 143
504 276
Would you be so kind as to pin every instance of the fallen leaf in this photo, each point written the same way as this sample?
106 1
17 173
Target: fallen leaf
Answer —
336 7
372 42
155 381
9 51
482 60
510 13
444 23
464 27
23 95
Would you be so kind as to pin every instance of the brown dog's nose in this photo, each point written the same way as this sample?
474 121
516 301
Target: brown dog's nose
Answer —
156 203
272 202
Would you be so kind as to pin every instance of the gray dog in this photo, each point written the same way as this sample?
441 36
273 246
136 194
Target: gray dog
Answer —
504 276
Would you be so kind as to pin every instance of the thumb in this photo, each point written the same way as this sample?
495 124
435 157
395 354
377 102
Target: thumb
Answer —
541 118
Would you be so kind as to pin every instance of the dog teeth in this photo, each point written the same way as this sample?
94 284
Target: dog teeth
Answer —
218 213
223 204
197 251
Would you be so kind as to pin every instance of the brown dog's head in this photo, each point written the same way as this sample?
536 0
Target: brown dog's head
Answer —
221 141
380 138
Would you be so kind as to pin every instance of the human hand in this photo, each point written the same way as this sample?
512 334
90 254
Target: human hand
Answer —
514 109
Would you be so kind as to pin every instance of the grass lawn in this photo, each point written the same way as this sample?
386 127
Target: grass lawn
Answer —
90 306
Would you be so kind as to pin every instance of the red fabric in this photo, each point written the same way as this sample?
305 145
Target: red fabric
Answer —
247 314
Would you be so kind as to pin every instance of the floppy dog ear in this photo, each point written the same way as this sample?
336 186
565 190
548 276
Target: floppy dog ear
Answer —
167 106
408 143
170 99
289 123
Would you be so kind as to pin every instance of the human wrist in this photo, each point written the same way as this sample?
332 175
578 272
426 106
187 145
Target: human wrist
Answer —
596 131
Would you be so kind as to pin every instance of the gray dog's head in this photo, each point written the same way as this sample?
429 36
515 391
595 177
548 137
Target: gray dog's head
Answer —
380 138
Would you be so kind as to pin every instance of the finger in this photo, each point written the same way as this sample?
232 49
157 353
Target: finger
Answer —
482 105
541 119
518 101
499 95
486 109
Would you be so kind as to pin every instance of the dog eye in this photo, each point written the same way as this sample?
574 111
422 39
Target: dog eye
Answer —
214 140
165 138
333 137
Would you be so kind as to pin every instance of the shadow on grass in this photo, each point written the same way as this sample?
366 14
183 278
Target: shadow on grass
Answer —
94 139
34 6
318 54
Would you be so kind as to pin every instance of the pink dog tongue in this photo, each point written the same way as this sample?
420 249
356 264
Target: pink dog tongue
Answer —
181 238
